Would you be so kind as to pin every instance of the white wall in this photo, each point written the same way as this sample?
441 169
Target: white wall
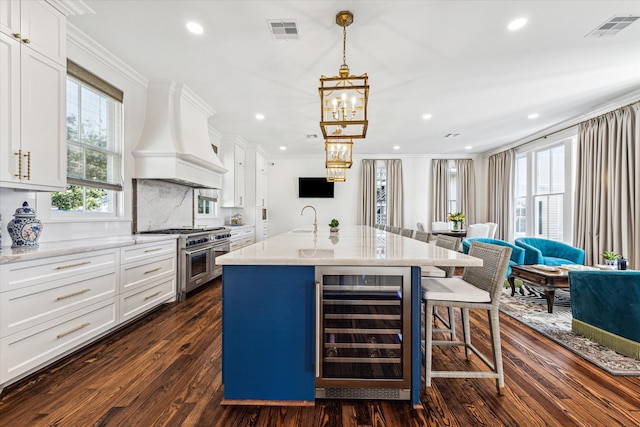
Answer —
285 206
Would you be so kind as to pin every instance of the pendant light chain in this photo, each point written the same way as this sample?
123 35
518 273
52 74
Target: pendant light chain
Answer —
344 46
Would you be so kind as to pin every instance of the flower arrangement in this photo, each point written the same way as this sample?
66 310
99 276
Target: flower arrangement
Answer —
456 217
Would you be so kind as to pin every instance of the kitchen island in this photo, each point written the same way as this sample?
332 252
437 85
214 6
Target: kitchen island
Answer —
270 306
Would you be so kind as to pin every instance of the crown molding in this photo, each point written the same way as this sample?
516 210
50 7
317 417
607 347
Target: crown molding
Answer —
91 47
72 7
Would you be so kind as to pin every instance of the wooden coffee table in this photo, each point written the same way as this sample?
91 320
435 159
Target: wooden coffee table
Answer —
549 281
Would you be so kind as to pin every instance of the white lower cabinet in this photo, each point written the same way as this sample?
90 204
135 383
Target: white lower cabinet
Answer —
36 347
52 306
145 297
241 237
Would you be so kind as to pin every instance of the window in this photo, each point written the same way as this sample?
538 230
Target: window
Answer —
94 145
521 197
549 193
543 192
381 193
206 202
452 202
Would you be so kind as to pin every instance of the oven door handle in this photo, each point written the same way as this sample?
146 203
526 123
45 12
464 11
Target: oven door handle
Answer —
195 251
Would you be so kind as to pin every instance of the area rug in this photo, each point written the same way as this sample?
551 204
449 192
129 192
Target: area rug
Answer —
531 310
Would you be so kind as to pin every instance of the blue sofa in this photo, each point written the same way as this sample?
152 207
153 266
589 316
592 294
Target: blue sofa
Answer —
517 254
606 308
549 252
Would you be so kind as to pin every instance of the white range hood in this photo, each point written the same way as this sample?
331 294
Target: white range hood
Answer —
175 145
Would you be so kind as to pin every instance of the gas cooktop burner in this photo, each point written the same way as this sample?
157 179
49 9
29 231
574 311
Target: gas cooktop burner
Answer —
183 230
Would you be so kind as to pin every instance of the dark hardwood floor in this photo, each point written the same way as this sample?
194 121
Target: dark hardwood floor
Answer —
165 370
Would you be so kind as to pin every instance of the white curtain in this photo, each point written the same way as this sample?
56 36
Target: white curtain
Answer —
501 171
395 193
607 199
467 189
367 208
440 187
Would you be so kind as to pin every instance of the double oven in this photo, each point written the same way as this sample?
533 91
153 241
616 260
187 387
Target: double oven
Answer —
197 252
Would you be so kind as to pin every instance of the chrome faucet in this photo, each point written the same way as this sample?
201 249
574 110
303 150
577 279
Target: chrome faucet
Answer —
315 217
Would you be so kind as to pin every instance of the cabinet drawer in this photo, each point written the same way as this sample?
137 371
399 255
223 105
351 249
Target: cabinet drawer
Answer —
28 273
146 297
34 347
148 250
137 274
29 306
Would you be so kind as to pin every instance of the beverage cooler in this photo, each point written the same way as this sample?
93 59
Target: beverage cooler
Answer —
363 332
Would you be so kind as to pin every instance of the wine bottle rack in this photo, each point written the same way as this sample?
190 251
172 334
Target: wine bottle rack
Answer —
363 331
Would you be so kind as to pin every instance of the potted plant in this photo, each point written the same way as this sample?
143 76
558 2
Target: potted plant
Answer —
610 258
333 225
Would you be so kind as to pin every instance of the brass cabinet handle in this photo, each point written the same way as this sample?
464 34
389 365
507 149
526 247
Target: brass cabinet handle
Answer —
28 156
153 250
26 41
73 294
62 267
151 296
19 154
16 35
70 331
152 270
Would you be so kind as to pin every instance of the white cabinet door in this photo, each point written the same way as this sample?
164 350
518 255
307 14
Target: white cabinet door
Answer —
43 91
9 108
32 97
10 18
240 173
43 29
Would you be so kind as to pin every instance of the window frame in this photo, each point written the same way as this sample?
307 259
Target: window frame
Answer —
568 141
115 187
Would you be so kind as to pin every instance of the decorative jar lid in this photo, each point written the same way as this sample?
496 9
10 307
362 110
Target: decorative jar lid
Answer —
25 211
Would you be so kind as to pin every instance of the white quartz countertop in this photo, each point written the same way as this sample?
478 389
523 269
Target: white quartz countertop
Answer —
352 245
49 249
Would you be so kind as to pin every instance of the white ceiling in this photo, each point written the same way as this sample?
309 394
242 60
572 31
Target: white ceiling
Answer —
455 60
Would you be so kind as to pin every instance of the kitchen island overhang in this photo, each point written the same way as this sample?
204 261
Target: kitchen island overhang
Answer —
269 306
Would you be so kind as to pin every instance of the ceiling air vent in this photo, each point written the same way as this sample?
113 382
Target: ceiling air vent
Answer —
612 26
282 29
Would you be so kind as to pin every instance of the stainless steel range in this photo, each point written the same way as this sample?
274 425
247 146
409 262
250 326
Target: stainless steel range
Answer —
197 252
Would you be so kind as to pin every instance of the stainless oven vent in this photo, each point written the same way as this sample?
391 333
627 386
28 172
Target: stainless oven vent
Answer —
363 393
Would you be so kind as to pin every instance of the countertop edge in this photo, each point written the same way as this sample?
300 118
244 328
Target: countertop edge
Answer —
10 255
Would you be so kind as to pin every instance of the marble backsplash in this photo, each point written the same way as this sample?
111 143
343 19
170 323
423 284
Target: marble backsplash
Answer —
159 204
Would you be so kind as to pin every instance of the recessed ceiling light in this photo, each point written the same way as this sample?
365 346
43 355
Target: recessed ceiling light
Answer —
282 147
426 116
468 147
516 24
195 28
260 116
396 147
533 116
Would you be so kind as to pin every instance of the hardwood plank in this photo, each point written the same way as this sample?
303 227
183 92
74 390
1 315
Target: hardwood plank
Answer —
165 370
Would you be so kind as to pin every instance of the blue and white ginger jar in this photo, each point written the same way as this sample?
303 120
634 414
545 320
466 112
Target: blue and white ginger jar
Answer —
24 228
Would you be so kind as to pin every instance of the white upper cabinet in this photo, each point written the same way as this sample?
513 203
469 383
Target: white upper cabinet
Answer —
262 180
233 156
32 97
37 25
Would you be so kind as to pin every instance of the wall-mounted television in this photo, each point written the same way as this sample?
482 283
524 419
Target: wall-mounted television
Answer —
314 187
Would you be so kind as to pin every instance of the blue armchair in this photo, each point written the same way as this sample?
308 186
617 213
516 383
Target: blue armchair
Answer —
549 252
517 254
